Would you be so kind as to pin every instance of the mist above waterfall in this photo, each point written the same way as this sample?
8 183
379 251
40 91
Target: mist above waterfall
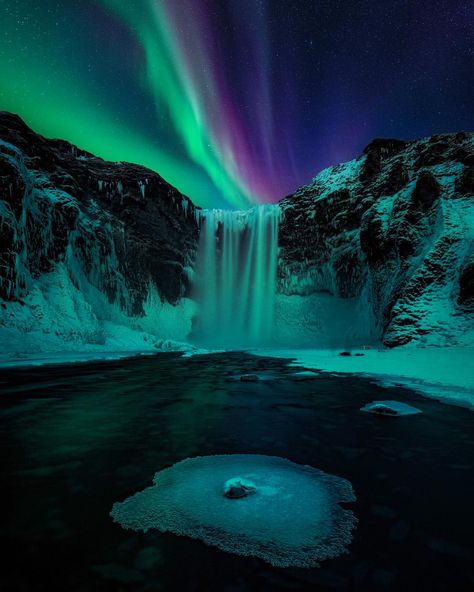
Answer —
235 282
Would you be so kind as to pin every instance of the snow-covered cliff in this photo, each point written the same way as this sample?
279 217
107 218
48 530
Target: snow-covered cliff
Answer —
385 243
100 255
91 252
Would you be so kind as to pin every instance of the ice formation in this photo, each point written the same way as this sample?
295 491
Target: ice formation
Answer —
293 517
381 249
68 287
390 408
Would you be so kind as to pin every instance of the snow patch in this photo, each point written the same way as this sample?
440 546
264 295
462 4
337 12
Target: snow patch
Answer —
442 373
56 316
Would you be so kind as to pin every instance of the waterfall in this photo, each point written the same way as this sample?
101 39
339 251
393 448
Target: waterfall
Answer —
236 277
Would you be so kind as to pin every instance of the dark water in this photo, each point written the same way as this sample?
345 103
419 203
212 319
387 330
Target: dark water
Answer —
75 439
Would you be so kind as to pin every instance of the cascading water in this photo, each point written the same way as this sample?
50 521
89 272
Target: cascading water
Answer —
235 281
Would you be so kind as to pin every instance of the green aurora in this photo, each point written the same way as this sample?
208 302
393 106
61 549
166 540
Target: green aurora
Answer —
47 81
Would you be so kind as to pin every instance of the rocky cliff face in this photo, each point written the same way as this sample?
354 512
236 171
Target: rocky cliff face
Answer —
100 254
83 240
392 230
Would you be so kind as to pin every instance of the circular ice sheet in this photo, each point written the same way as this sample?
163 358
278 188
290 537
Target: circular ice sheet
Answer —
294 518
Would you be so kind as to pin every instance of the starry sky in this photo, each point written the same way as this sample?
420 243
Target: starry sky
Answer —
236 102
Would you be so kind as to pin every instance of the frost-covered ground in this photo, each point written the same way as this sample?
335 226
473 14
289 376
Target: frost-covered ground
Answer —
38 359
57 322
110 350
443 373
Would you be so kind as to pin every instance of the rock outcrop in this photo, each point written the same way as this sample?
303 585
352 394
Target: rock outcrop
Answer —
394 229
116 232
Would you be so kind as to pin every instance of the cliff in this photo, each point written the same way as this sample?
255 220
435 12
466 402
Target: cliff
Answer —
86 242
100 255
392 230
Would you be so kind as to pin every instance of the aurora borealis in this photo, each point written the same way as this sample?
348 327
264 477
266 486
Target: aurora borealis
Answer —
236 102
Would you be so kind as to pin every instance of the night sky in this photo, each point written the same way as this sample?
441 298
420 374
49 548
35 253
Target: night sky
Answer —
236 101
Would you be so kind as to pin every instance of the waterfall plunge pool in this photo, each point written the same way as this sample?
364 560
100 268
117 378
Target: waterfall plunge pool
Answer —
75 439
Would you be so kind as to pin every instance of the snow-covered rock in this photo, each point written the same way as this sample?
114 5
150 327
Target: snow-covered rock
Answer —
390 409
82 253
377 249
393 233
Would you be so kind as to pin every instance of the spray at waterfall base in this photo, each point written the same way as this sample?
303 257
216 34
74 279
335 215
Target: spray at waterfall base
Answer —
241 300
